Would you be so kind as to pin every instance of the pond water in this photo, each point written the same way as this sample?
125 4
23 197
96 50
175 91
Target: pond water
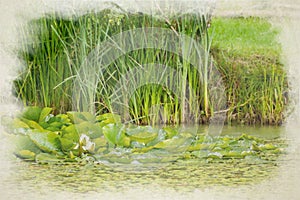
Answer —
185 180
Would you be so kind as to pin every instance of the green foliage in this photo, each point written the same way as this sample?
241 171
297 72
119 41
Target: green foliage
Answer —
32 113
244 49
47 141
248 55
55 47
116 142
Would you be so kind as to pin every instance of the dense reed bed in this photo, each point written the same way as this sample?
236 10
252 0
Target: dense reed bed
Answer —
54 49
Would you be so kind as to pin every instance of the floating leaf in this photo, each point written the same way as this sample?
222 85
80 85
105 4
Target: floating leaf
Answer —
69 138
233 154
90 129
45 158
88 116
24 142
67 144
46 140
198 147
71 130
52 128
25 154
171 132
160 137
63 118
174 144
56 124
108 118
105 116
100 142
45 125
17 123
215 155
32 124
44 113
143 137
76 117
115 134
268 147
32 113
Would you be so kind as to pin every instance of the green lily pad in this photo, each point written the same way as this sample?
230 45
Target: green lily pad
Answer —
174 144
17 123
198 147
24 142
115 134
108 118
76 117
26 154
91 129
268 147
33 124
67 145
143 137
32 113
100 142
105 116
69 138
45 158
46 140
200 154
171 132
233 154
44 113
161 136
88 116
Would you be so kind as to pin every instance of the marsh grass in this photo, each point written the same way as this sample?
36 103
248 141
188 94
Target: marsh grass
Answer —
245 52
248 56
60 45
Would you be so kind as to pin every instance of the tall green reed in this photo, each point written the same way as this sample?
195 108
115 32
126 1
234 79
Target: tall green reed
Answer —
61 45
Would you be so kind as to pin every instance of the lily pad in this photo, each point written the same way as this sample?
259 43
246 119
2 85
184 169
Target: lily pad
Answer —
171 132
17 123
76 117
32 113
174 144
91 129
115 134
108 118
26 154
143 137
33 124
44 113
46 158
46 140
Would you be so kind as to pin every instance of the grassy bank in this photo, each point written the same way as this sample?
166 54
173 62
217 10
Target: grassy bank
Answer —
247 53
244 50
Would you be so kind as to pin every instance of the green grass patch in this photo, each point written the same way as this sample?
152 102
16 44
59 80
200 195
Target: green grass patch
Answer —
247 53
245 36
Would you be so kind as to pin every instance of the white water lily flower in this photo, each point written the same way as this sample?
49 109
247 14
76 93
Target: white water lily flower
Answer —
85 143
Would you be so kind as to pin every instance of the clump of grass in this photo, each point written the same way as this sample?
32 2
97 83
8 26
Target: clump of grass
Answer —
247 53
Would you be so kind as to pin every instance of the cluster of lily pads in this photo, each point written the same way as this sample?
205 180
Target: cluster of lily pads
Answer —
43 137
